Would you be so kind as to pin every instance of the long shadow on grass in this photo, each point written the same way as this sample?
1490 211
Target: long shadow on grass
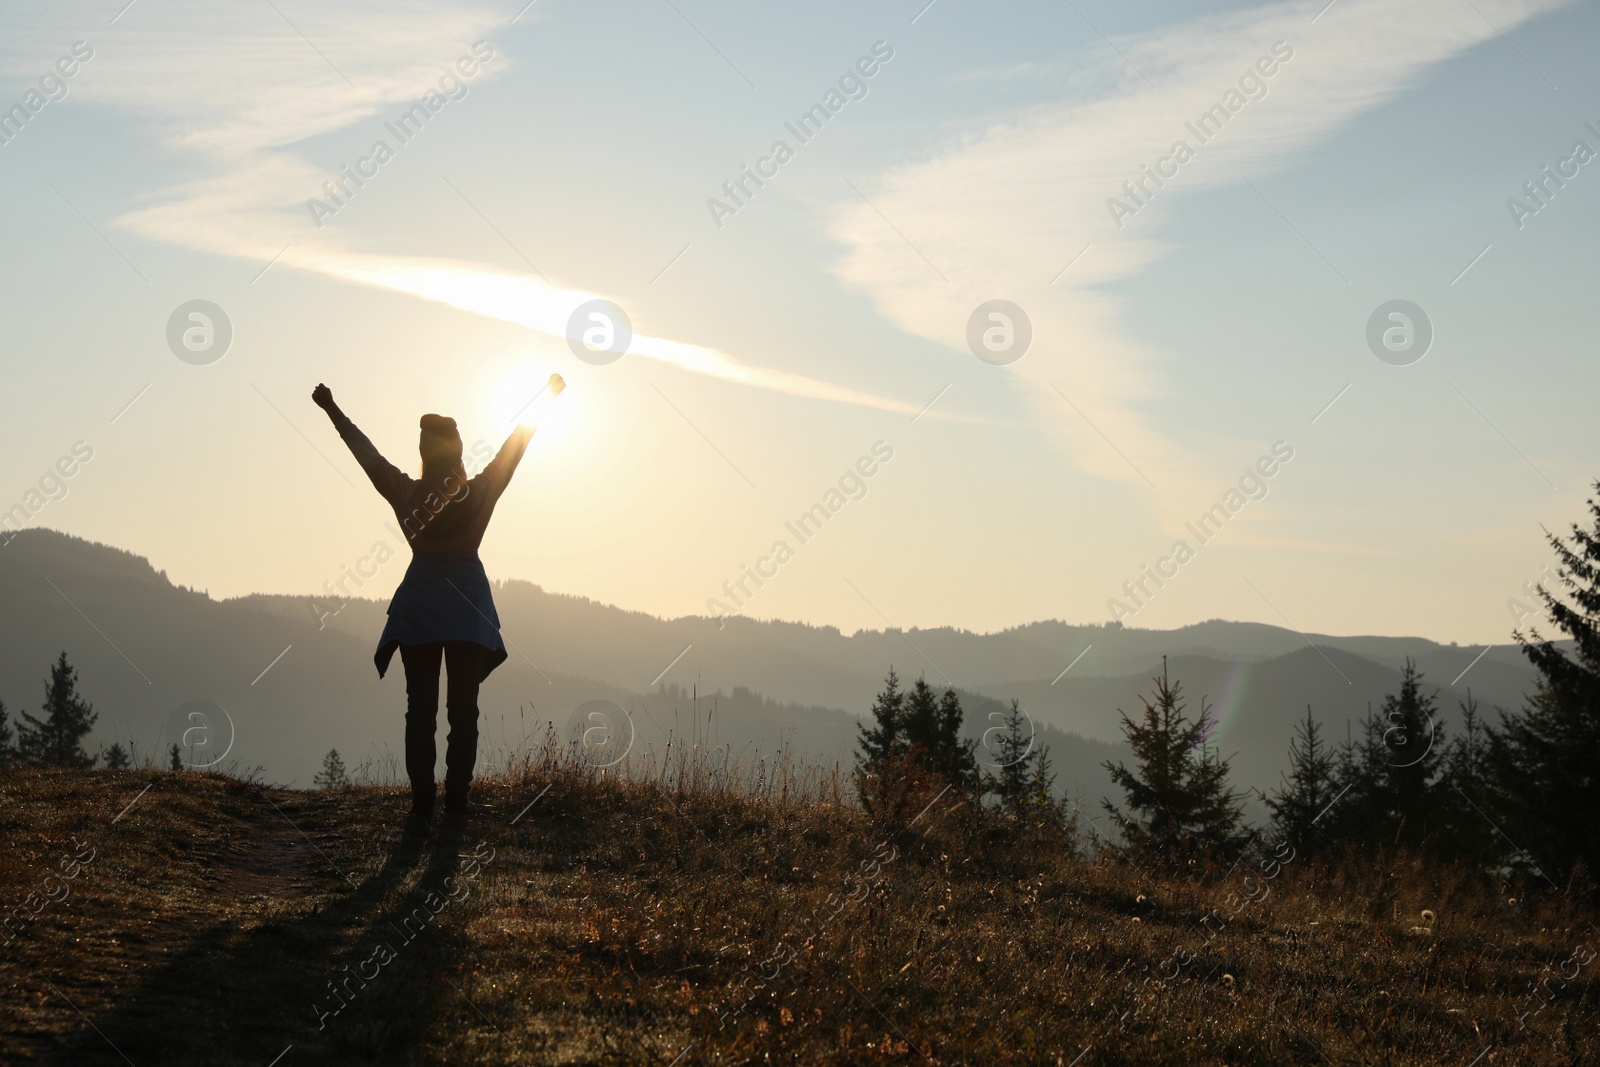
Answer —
314 990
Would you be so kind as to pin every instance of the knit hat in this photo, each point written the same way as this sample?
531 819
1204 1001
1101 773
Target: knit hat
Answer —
440 438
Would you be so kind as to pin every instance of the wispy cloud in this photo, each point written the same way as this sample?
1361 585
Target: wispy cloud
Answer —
233 93
1002 210
526 301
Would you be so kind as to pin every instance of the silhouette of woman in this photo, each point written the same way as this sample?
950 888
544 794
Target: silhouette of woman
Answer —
443 609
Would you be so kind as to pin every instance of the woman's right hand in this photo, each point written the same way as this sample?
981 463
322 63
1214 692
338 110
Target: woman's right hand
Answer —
322 396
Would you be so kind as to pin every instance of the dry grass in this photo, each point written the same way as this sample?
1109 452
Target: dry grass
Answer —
659 913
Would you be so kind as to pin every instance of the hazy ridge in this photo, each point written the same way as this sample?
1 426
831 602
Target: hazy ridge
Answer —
751 685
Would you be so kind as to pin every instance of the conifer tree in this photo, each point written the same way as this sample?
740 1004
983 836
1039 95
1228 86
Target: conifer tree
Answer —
1542 761
1042 782
890 779
1394 773
1304 798
957 756
176 753
1468 834
56 740
884 740
1361 817
1413 741
1178 794
1025 785
1013 785
920 718
931 732
8 744
332 775
116 757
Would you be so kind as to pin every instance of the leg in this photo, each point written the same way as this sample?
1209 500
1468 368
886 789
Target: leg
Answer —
464 662
422 711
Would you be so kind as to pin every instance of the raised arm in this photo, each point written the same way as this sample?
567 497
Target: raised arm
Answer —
390 482
496 475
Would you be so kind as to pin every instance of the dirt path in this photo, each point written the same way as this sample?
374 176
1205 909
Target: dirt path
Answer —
277 860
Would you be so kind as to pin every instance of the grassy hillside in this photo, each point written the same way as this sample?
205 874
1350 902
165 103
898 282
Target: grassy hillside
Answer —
704 917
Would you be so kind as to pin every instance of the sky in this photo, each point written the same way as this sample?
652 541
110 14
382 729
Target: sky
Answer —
1193 317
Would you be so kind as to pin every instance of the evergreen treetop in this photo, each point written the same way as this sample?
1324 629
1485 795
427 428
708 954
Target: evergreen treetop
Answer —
1178 794
883 740
1307 791
332 775
933 733
1542 762
56 739
1025 785
1414 754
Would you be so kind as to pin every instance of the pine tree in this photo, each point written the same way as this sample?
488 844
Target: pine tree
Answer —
1307 791
177 757
1542 762
116 758
1025 786
57 739
8 745
1178 795
1362 815
931 733
920 719
1394 773
891 780
1013 785
332 775
1412 737
885 739
1042 783
1468 833
957 756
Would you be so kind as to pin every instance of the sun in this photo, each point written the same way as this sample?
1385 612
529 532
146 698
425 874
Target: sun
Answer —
524 396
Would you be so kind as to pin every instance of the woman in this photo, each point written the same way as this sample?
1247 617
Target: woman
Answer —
443 609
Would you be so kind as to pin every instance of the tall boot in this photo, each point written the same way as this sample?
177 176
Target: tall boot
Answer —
455 800
422 799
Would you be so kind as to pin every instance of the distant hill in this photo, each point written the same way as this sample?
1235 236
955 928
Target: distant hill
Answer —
144 647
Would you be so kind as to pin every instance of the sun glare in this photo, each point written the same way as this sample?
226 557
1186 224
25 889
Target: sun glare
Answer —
524 396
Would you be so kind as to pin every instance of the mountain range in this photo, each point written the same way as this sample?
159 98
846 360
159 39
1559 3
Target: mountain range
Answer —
295 676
